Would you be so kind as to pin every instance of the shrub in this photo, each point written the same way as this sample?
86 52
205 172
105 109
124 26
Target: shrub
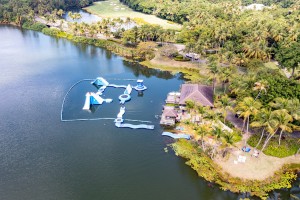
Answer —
181 58
51 31
34 26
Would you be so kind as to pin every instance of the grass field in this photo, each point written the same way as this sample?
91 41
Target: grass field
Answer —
115 9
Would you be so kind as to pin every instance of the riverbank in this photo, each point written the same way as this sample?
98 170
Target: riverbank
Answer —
214 172
191 71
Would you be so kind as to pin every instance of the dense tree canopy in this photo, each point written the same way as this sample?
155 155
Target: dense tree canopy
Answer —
289 56
16 10
238 33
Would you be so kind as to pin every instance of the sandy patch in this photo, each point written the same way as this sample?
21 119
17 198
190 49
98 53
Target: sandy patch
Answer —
254 168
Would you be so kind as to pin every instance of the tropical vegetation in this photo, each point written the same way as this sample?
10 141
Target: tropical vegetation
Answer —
243 42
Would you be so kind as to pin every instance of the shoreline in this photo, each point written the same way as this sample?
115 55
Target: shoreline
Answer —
213 173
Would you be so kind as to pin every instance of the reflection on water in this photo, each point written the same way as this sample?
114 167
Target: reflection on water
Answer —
85 17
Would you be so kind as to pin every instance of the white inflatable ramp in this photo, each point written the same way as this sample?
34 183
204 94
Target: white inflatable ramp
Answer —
87 102
121 113
139 126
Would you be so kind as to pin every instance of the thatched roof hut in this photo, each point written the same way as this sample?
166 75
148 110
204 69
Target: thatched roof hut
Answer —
169 112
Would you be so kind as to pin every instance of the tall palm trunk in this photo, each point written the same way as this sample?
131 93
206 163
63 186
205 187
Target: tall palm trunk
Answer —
247 125
257 95
293 71
244 123
268 140
280 135
214 83
261 137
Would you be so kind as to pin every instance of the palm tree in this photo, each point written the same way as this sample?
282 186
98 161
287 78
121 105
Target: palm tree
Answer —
214 70
248 107
260 86
272 128
225 73
190 105
203 130
60 12
217 132
279 103
225 104
228 137
240 59
284 119
262 120
294 108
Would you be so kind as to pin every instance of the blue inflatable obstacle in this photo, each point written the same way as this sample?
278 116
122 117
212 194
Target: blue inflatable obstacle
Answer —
140 85
177 136
98 82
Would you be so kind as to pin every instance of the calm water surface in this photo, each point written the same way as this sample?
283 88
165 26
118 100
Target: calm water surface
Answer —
43 158
85 17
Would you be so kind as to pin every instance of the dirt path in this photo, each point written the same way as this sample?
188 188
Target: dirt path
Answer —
162 60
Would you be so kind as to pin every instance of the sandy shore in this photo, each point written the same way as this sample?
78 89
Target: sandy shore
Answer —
254 168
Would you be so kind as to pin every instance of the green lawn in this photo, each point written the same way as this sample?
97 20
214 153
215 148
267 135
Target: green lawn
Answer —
114 9
288 147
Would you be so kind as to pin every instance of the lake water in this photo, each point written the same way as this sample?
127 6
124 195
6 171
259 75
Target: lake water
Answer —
85 17
44 158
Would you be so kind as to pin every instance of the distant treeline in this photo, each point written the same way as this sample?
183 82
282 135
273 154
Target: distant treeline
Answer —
16 10
183 10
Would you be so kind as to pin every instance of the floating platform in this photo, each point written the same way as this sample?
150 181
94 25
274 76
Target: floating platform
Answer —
119 120
177 136
139 126
124 97
140 85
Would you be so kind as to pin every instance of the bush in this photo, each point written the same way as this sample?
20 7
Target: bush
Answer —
51 31
34 26
278 86
181 58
